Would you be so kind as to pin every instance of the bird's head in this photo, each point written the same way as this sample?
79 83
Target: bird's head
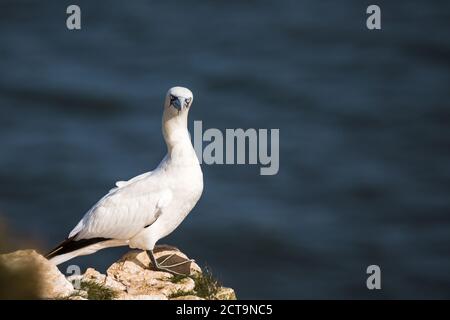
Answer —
175 116
178 99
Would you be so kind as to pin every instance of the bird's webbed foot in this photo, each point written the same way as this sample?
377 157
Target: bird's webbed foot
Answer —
162 266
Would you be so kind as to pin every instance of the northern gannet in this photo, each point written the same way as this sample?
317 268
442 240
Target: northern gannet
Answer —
148 207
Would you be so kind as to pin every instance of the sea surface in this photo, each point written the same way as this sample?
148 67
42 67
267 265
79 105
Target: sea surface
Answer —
364 121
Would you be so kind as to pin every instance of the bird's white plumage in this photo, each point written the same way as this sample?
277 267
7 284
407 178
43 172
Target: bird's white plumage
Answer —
142 210
120 184
123 212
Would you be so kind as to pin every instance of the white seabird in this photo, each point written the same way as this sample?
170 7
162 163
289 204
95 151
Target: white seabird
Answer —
148 207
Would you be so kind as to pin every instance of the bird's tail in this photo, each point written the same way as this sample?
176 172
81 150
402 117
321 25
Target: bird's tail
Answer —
71 248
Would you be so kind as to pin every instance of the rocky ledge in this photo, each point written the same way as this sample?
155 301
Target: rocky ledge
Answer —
129 278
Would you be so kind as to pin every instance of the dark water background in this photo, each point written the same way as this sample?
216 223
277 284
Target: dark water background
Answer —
364 133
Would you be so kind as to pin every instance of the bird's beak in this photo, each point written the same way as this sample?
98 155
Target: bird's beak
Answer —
178 104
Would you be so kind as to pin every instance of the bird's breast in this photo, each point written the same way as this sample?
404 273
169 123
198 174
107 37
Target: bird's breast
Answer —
189 183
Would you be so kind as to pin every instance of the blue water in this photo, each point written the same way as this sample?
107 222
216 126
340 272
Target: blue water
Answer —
364 134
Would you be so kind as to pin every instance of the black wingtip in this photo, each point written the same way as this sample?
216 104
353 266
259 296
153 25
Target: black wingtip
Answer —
70 244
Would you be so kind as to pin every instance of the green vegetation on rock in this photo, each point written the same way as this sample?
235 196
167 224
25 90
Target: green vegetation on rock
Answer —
206 286
96 291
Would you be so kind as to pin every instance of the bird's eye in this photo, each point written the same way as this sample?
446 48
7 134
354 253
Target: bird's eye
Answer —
188 101
172 98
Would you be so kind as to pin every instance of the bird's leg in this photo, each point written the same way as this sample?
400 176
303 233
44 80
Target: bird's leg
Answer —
159 267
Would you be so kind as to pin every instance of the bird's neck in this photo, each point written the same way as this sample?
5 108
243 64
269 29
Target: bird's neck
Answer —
176 135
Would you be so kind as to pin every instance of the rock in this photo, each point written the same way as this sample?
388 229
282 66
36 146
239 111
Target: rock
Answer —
188 297
142 297
52 283
76 298
133 272
137 261
130 278
225 294
93 275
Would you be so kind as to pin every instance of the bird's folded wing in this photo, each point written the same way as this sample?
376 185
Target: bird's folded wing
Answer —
123 212
120 184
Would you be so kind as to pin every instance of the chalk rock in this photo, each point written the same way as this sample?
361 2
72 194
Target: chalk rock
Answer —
188 297
225 294
142 297
52 283
130 278
132 270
